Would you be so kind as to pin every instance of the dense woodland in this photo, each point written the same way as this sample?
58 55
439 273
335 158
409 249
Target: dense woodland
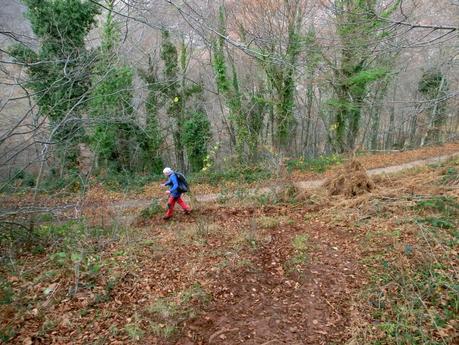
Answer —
319 138
101 87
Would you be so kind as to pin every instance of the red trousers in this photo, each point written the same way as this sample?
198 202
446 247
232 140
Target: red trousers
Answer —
171 203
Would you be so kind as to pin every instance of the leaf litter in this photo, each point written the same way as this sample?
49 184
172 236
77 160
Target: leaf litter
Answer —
251 295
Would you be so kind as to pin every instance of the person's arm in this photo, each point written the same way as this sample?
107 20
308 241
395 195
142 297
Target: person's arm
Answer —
174 182
168 182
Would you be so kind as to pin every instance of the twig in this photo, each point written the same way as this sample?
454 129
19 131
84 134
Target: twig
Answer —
270 342
333 308
52 294
224 330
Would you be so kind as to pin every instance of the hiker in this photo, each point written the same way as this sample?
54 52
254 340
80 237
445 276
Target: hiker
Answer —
176 188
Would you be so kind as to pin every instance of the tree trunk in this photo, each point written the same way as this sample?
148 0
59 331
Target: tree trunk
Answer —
433 130
390 133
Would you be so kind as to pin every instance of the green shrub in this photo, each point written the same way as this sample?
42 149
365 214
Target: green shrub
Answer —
6 292
153 209
318 165
26 178
451 176
237 173
70 181
169 312
300 244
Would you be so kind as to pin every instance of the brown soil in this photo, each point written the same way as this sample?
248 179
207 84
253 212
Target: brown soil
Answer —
255 296
241 256
263 304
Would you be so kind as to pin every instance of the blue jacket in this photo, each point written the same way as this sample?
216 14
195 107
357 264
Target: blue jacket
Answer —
173 185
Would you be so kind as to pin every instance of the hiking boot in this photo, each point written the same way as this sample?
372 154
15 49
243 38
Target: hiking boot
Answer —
167 217
187 212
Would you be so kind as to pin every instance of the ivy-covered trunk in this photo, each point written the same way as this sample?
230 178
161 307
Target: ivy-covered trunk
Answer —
281 76
153 141
177 93
116 136
359 30
59 88
228 87
433 86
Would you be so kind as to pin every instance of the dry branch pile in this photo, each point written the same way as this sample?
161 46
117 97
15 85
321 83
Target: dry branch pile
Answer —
350 181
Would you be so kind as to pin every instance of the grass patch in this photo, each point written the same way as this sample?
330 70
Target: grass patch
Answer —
268 222
446 205
250 239
6 334
244 174
272 222
167 314
152 210
420 308
197 233
70 260
134 331
450 176
300 245
317 165
414 295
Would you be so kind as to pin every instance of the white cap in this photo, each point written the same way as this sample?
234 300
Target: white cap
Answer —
167 171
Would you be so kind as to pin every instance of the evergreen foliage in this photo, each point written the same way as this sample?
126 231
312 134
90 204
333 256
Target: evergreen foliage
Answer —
228 87
196 138
359 30
116 137
58 69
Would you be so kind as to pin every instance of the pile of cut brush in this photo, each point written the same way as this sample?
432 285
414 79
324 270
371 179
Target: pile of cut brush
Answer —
350 181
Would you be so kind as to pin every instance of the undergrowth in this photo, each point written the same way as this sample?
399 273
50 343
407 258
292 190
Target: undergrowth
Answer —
68 259
247 174
414 298
318 165
153 209
168 313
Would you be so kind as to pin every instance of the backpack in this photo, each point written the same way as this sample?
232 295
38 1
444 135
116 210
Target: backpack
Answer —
182 183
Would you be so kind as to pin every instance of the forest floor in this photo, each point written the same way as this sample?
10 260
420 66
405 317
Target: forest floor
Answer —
98 194
270 268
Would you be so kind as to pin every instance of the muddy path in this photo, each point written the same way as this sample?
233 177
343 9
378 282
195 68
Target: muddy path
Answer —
266 303
268 292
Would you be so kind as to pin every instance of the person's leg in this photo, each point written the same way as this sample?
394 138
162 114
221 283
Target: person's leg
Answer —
170 207
183 204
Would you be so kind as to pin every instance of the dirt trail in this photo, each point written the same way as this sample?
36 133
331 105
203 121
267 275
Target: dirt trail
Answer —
245 261
305 185
264 304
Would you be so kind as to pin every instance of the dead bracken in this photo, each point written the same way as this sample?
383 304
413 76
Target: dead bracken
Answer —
350 181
